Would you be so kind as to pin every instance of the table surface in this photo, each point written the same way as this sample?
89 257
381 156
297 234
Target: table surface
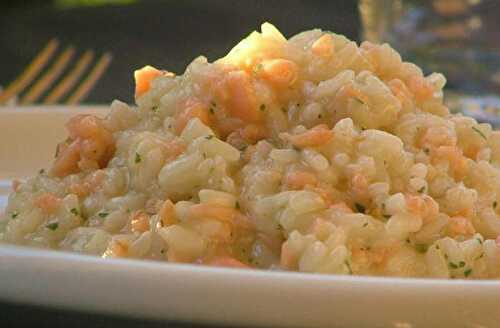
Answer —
165 34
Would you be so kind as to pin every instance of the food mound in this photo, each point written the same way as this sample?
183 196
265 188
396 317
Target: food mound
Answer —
309 154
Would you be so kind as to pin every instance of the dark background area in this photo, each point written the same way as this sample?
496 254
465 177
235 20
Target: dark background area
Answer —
163 33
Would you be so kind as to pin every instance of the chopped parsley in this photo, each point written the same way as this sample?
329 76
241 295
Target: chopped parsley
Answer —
237 205
360 208
74 211
42 171
421 190
14 214
386 216
103 214
162 251
57 151
479 132
209 137
154 108
421 248
479 241
262 107
138 158
365 224
461 264
52 226
212 110
213 104
256 69
348 265
359 100
453 265
467 272
495 204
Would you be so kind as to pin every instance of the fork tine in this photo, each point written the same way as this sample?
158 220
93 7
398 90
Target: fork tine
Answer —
70 79
49 77
30 72
94 75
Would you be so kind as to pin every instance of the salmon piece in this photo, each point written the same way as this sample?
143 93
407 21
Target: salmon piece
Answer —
193 108
143 78
237 95
316 136
227 262
47 202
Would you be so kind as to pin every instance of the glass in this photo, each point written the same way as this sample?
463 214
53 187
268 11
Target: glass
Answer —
458 38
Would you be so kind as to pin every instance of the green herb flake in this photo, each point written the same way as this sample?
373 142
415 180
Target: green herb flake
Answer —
74 211
426 150
262 107
452 265
386 216
56 155
461 264
138 158
52 226
103 214
154 108
320 116
162 251
479 132
495 204
407 240
365 225
209 137
14 214
237 205
256 69
421 248
358 100
421 190
42 171
348 265
467 272
479 241
212 110
360 208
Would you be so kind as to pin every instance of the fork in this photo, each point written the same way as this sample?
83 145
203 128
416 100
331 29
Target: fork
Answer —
46 80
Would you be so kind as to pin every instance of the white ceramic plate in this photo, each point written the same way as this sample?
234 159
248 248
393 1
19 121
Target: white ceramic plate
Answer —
211 295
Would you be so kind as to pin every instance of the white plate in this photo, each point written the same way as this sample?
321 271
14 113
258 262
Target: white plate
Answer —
211 295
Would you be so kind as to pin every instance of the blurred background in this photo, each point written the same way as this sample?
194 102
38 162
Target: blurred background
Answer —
166 34
456 37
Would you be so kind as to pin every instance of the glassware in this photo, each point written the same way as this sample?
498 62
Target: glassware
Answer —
459 38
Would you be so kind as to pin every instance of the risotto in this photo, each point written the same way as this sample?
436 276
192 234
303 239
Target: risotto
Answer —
310 154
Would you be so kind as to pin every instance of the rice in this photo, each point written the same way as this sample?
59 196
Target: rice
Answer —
309 154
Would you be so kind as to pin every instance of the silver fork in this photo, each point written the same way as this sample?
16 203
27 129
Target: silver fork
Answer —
46 80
